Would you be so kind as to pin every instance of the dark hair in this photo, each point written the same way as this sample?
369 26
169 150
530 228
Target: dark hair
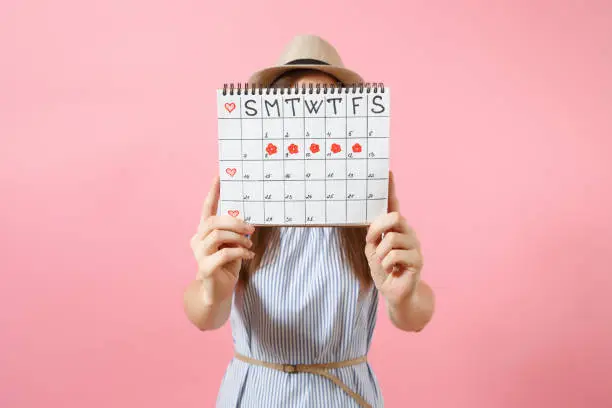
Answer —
287 79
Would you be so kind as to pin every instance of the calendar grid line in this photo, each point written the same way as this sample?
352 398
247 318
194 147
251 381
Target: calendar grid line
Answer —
241 158
345 169
304 152
298 138
313 117
282 153
337 159
263 166
304 201
325 153
312 179
367 158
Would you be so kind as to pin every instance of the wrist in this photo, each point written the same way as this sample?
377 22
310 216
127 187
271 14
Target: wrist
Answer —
406 299
209 295
404 302
413 312
206 293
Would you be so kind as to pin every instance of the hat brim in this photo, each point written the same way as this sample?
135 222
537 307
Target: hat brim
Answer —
266 77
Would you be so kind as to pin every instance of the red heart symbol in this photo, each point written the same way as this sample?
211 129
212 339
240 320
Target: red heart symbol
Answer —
233 213
314 148
357 148
231 172
230 107
335 148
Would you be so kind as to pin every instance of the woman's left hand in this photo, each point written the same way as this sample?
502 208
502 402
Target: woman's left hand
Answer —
394 253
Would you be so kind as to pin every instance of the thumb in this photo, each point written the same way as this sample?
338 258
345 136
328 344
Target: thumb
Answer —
211 202
393 205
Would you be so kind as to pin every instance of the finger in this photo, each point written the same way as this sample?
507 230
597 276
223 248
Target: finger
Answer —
212 200
225 222
393 205
405 258
370 251
395 240
217 237
386 223
225 256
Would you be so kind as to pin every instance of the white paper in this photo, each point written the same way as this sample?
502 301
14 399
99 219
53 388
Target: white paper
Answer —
304 159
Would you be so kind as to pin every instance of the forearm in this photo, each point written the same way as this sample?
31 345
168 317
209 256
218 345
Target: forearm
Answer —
413 313
205 315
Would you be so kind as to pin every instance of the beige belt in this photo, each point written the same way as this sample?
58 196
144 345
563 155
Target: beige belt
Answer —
317 369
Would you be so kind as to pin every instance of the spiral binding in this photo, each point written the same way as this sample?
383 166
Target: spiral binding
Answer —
253 89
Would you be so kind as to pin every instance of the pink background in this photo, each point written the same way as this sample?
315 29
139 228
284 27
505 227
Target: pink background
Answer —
502 140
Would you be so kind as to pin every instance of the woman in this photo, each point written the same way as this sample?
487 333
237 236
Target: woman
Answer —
303 301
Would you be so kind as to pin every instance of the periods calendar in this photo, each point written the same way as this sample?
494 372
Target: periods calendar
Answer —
304 156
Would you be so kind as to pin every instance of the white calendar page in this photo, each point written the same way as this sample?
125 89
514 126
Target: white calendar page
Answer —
304 158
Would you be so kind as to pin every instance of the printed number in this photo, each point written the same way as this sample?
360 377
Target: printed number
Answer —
266 135
350 196
371 154
269 219
308 196
350 133
350 175
268 176
330 175
370 195
288 175
288 219
244 156
310 219
350 155
328 134
370 175
246 176
371 133
308 155
247 219
288 197
330 195
286 134
307 175
307 134
268 196
246 197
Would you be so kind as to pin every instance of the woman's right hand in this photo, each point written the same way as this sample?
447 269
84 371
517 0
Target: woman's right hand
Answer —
219 247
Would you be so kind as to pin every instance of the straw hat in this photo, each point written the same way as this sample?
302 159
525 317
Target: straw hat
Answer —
307 52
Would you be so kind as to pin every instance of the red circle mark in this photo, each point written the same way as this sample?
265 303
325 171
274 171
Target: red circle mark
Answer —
271 149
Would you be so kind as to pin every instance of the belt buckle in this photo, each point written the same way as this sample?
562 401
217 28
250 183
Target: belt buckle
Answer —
289 368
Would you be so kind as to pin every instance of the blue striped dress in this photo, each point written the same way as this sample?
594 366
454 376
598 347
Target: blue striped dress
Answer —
303 306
